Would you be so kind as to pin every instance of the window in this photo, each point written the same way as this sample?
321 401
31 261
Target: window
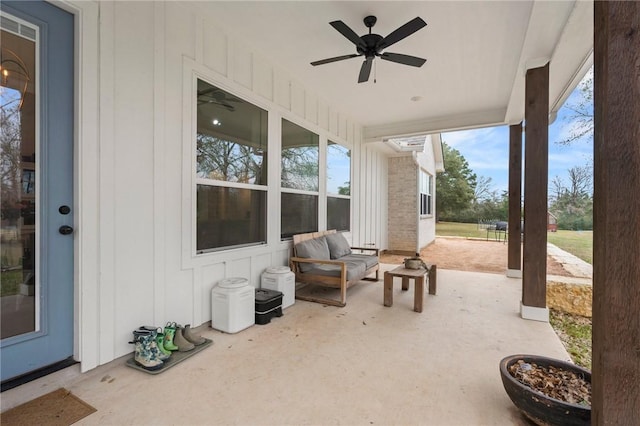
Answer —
231 171
338 187
426 201
299 180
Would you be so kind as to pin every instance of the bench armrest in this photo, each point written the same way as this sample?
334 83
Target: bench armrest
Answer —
375 250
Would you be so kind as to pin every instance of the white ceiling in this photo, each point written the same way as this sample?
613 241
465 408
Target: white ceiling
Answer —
477 53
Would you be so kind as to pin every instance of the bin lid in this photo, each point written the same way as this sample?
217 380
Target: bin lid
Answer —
278 270
236 282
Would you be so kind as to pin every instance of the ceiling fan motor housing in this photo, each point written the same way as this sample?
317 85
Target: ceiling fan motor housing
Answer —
371 40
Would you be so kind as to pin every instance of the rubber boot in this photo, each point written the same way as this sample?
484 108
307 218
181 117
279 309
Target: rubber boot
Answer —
169 333
146 350
183 344
187 333
159 336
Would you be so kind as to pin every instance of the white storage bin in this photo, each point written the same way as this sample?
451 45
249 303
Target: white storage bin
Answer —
280 278
232 305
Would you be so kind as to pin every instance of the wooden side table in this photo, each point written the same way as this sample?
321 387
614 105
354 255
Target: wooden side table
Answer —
406 275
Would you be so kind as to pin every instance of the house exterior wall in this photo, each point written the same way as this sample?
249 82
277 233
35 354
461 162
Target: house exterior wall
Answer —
135 192
427 224
403 204
408 230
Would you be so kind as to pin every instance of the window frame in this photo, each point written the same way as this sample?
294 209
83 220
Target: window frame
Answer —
285 190
222 183
425 194
336 195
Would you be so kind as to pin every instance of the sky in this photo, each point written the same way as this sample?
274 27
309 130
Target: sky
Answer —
487 149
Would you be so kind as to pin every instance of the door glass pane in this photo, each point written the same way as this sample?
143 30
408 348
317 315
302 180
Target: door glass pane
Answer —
18 285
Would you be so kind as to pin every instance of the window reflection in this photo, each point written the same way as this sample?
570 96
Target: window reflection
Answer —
18 284
231 149
338 169
300 149
299 214
231 139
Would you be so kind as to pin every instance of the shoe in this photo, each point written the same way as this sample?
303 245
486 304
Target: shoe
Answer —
146 350
183 344
164 353
169 334
187 333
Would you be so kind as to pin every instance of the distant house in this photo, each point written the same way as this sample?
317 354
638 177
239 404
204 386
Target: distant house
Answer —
552 222
411 194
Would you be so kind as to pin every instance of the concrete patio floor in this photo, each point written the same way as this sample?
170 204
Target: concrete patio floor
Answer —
359 365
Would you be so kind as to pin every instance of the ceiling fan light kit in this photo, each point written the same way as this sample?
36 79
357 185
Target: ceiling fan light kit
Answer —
371 45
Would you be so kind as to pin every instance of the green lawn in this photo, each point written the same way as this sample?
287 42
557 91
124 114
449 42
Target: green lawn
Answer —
578 243
453 229
10 282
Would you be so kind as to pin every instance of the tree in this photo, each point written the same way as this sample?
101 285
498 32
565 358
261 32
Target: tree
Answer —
580 118
573 203
483 190
456 185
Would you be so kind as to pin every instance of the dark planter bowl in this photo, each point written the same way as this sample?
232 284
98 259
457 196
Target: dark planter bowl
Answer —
539 408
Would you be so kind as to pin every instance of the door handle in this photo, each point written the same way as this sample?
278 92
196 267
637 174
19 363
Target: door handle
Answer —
65 230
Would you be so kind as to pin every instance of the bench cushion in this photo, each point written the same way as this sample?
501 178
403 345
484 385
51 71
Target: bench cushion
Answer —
316 248
355 270
368 260
338 245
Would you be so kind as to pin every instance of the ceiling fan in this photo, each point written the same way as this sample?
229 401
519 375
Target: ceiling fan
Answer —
371 45
218 97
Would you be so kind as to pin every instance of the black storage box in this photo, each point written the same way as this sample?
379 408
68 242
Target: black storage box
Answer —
268 305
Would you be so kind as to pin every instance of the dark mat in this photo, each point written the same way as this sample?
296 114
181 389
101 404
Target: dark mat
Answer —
59 407
176 358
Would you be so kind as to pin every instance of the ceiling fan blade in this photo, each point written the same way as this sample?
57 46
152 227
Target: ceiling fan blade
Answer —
348 33
414 61
365 70
337 58
404 31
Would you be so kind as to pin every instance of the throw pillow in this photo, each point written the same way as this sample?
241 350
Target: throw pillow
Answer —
316 248
338 245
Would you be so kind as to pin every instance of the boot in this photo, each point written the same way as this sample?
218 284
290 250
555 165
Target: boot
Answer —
187 333
183 344
146 350
169 333
159 336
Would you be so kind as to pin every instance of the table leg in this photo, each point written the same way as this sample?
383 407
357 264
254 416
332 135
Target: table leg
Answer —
388 289
419 294
432 279
405 283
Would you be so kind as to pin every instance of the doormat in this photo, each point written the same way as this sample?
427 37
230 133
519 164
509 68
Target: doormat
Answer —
57 408
176 357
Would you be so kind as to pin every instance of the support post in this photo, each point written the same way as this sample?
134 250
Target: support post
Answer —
514 255
536 164
616 224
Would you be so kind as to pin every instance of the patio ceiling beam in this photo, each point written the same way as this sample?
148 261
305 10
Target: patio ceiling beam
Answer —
471 120
616 215
514 265
536 159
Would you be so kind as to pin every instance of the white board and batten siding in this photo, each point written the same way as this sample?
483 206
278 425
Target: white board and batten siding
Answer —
135 257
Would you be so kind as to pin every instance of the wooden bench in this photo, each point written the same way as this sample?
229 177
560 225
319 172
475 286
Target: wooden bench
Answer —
338 273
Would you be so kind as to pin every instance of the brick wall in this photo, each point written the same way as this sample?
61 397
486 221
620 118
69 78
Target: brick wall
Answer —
403 204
